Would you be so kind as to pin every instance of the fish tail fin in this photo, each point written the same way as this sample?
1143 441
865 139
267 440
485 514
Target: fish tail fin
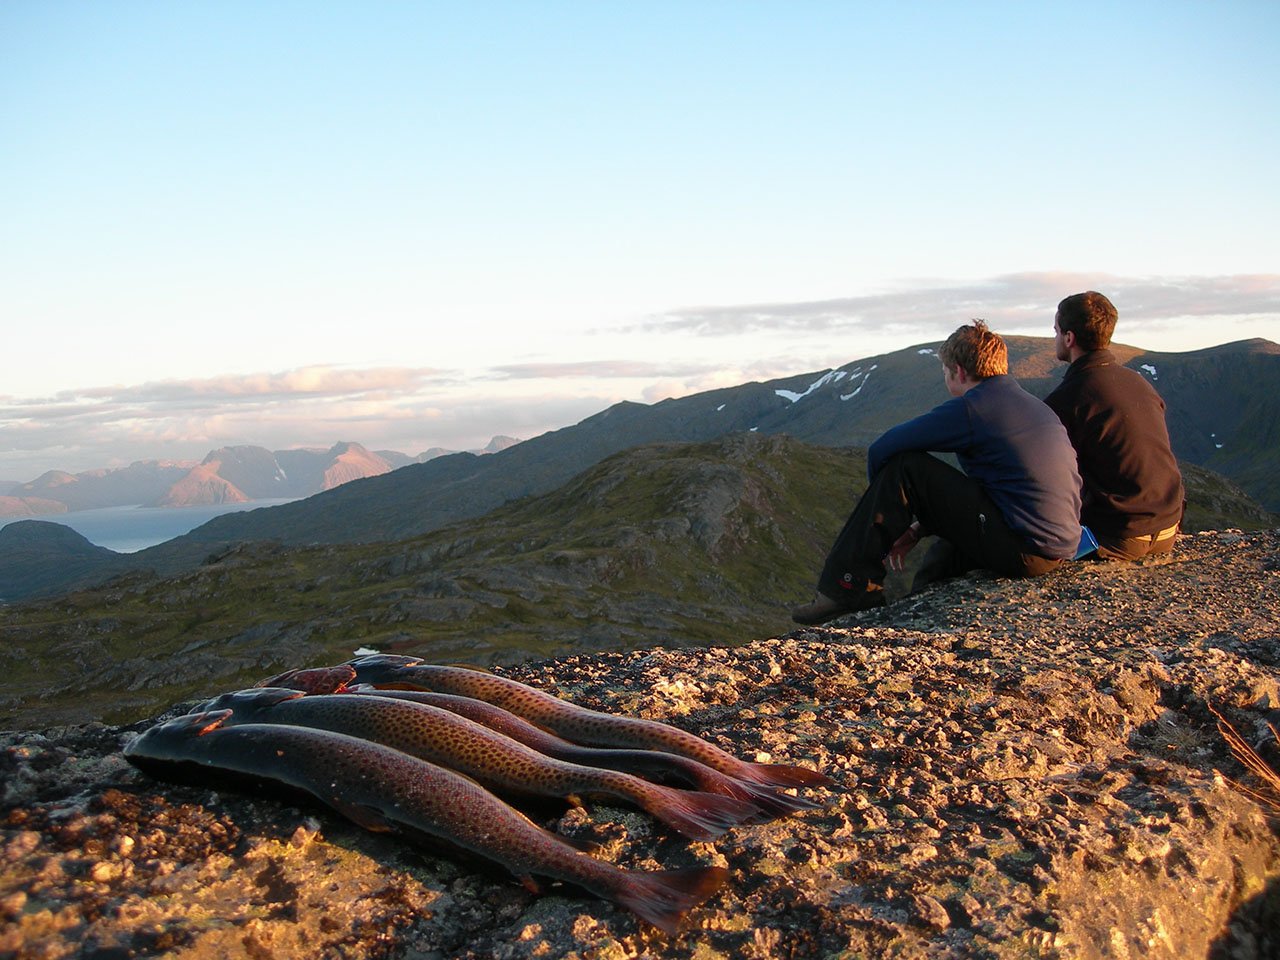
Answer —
772 804
784 775
702 816
663 897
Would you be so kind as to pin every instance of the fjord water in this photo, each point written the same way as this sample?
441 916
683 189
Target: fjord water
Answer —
129 529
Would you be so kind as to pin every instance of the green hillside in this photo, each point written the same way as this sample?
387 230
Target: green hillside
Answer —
663 545
666 545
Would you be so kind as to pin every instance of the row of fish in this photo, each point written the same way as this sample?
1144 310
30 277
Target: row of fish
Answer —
394 743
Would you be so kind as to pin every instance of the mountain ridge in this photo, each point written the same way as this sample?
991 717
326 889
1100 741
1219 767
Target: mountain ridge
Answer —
233 474
668 544
906 383
845 407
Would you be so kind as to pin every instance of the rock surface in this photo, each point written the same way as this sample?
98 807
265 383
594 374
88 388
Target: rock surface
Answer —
1026 769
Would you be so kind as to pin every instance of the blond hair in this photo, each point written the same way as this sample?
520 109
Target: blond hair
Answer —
976 350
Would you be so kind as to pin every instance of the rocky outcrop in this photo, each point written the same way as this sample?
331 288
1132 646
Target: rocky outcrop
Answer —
1024 769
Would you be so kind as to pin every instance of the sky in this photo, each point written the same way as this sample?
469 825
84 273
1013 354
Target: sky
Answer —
416 225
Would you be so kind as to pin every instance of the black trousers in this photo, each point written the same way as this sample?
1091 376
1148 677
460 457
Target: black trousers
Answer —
948 504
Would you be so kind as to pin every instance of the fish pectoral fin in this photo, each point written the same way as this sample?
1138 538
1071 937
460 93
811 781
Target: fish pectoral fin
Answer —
363 815
573 800
529 884
586 846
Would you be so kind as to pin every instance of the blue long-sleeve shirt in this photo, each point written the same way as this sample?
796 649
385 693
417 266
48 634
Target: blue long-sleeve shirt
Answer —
1014 446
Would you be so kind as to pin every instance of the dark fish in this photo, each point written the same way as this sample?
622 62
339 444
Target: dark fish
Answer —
574 723
313 679
495 760
384 789
771 803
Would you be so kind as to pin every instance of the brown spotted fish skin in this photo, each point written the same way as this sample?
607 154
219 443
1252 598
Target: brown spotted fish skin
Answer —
772 804
497 761
313 679
382 788
574 723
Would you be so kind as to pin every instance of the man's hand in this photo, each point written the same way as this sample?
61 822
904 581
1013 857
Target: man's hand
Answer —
895 559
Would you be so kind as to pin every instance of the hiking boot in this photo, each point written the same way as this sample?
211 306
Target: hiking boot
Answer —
823 608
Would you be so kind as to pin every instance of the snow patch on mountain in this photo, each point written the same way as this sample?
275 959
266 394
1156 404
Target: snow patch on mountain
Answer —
831 376
867 377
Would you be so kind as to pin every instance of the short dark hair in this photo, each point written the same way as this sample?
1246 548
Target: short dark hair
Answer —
1091 317
976 350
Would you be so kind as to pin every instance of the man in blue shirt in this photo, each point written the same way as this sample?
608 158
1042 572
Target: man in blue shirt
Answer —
1015 509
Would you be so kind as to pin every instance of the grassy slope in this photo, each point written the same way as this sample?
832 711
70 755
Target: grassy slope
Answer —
697 544
677 545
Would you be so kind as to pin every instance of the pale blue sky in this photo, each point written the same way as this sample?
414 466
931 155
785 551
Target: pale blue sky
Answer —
420 224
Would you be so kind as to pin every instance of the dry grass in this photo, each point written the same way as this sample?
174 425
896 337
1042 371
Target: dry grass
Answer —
1267 791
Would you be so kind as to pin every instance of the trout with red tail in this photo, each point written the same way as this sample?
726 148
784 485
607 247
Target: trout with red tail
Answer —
385 789
574 723
495 760
771 802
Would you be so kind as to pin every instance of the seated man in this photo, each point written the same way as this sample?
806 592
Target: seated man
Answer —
1014 510
1133 494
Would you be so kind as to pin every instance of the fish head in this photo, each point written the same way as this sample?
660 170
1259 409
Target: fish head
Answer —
195 724
379 667
244 705
313 679
168 742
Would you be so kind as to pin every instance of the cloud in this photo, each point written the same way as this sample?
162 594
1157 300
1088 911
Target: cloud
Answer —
404 409
1021 302
411 409
599 369
311 381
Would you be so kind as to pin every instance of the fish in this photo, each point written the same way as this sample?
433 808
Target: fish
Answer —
383 789
495 760
771 803
576 724
313 679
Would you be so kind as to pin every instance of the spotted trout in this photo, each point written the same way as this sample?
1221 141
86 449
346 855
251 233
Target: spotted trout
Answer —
385 789
576 724
770 802
497 761
655 763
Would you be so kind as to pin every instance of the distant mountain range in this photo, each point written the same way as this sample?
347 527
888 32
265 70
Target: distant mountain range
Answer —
1223 414
237 474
